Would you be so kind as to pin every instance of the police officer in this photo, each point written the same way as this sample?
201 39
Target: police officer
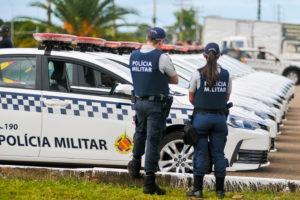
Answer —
209 92
5 41
151 71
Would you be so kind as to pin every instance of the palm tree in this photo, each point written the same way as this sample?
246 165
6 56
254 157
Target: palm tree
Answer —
88 17
47 7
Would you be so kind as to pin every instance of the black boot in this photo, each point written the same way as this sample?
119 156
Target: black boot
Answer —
150 186
134 167
198 186
220 192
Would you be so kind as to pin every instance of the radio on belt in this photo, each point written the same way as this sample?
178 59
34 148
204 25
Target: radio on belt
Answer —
54 41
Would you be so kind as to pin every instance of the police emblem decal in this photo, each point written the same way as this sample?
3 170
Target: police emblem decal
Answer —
124 144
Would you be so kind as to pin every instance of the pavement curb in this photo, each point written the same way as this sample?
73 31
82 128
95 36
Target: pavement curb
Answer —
121 176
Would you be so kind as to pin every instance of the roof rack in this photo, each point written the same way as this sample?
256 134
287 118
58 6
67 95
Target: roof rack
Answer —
53 41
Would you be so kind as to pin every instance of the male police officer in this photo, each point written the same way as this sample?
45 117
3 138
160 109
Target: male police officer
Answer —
5 41
151 71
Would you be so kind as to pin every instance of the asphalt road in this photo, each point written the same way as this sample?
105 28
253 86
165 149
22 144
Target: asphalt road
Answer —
285 163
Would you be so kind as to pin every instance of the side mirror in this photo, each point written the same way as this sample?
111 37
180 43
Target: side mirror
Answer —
123 89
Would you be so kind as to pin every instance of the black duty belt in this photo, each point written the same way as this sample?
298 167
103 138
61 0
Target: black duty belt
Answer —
213 111
152 98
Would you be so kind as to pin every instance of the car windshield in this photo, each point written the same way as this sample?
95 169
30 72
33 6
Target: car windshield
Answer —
183 71
183 83
196 61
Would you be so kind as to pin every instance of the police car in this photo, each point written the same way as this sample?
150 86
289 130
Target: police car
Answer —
261 59
68 107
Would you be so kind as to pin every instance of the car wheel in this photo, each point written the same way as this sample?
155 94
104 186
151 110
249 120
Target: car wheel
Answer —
175 156
293 75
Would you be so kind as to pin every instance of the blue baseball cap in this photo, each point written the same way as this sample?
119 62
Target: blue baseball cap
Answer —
156 33
212 47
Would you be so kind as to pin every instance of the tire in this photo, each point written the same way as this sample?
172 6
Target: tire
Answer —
175 156
293 75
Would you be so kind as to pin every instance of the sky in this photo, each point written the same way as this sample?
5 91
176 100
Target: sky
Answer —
237 9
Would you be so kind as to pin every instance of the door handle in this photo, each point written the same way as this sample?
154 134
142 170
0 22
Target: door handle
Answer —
55 103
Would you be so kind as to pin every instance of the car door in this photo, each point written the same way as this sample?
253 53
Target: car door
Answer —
20 107
264 61
83 121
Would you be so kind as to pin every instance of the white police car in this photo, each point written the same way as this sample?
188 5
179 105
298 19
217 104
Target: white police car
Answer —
66 107
261 59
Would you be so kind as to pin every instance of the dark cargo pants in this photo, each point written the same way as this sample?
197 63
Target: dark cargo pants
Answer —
150 127
216 128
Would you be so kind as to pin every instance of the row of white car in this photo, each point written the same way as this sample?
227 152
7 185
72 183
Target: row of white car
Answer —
260 101
67 107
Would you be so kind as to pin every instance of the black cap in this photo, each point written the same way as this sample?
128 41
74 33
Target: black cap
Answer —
156 33
4 28
212 47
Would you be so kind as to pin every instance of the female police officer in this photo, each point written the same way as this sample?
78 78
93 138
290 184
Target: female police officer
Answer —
209 92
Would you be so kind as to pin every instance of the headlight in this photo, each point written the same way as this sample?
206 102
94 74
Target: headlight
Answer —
239 122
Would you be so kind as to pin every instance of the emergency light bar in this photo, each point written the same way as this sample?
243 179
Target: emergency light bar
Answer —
182 48
53 41
139 46
50 41
89 40
112 44
41 37
133 45
168 47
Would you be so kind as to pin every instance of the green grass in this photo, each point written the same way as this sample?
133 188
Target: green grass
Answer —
77 189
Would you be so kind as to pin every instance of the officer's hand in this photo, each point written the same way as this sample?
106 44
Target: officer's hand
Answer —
173 79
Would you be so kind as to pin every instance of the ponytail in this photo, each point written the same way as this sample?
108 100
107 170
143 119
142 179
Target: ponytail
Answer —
210 71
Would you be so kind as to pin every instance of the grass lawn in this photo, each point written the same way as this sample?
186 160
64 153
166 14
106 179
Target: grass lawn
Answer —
77 189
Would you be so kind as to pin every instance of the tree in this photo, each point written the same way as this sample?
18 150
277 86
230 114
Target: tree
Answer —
87 18
47 7
23 30
188 25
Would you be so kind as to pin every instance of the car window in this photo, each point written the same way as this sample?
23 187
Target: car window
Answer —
293 48
233 53
245 54
270 56
70 77
89 77
58 79
18 71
